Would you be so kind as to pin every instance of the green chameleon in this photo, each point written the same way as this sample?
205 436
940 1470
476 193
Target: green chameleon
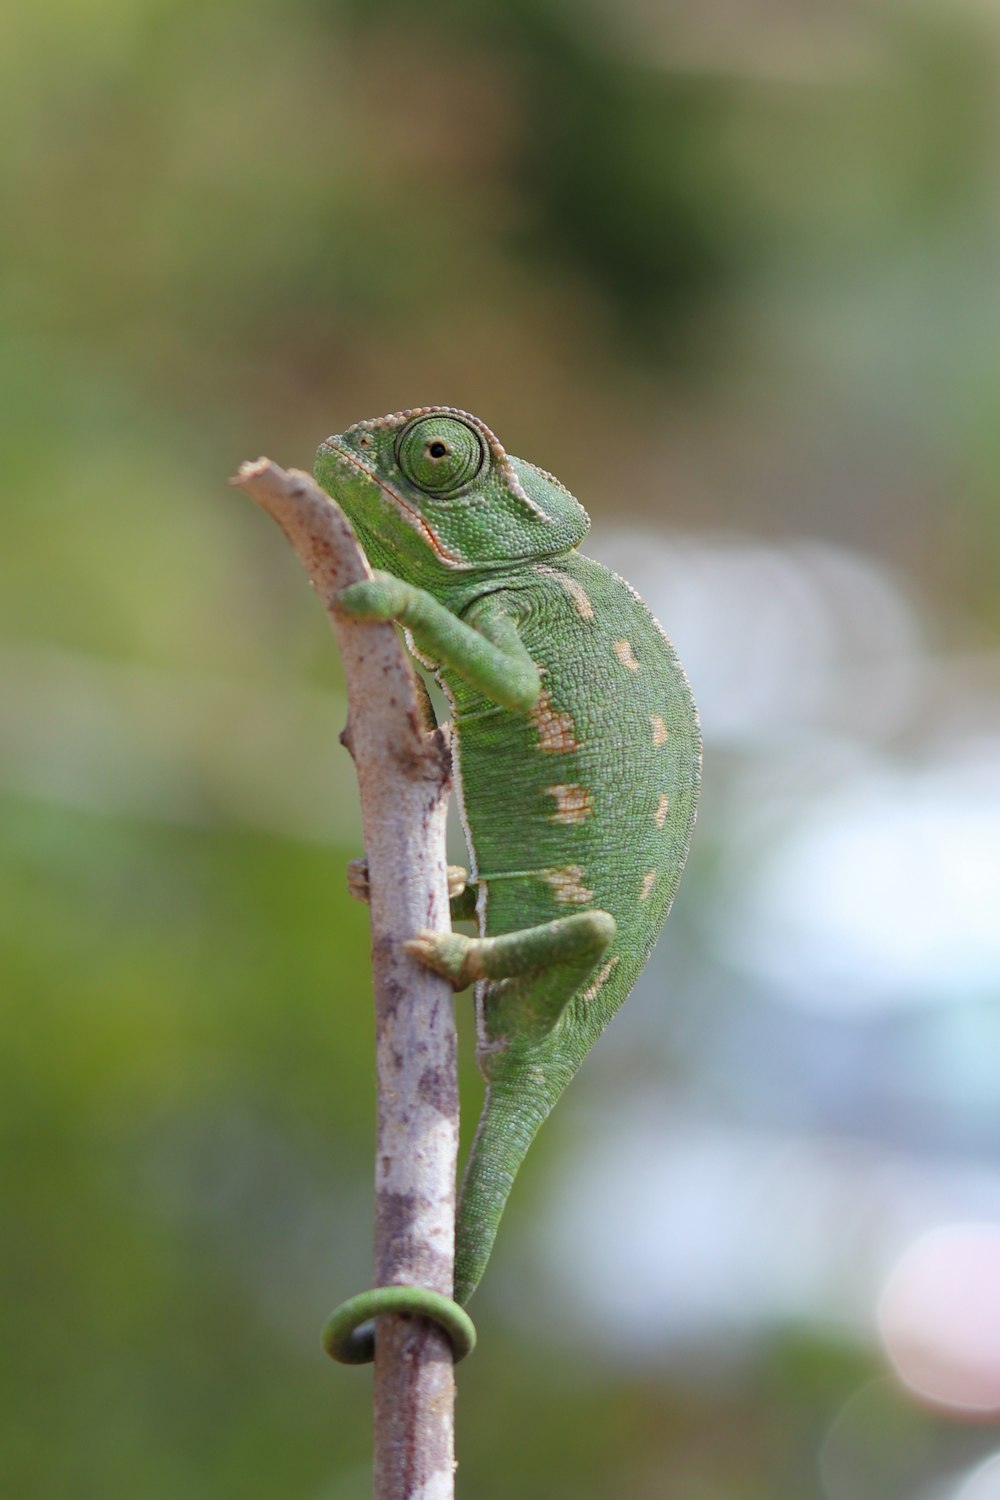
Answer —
577 764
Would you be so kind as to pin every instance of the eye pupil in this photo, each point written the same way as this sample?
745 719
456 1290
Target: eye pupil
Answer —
440 454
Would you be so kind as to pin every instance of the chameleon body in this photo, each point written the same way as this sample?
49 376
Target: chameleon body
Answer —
577 756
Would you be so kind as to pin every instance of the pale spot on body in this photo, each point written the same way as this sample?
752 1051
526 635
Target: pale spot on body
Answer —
624 653
662 808
556 731
576 591
566 882
574 804
599 981
648 881
660 731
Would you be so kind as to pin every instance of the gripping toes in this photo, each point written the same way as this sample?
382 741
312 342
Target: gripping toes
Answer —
449 953
357 880
358 885
380 598
571 943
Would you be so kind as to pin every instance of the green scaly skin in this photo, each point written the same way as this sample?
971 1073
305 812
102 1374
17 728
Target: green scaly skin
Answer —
577 756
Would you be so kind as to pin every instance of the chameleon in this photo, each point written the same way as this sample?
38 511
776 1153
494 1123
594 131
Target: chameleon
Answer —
577 762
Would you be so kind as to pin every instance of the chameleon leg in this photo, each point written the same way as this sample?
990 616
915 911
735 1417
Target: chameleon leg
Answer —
572 943
462 896
530 978
498 665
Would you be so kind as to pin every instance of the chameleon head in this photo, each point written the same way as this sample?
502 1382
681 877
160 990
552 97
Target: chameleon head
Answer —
433 487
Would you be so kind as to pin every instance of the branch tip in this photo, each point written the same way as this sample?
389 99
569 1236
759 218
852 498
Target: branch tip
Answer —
250 469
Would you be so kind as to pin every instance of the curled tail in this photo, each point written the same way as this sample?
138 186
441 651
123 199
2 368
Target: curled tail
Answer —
515 1106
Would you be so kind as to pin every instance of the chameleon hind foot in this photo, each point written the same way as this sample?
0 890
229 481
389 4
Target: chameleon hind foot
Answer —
359 888
577 941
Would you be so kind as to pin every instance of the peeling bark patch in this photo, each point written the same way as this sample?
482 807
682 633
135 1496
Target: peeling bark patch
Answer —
567 885
574 804
624 653
404 1244
395 1213
662 808
660 731
599 981
392 992
436 1087
648 881
556 731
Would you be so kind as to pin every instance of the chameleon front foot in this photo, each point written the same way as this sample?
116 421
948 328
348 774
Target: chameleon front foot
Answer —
383 597
357 880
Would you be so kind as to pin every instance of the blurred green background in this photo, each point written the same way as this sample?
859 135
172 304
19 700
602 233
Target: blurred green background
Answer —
731 271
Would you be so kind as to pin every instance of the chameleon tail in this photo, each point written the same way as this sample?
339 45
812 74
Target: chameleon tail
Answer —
515 1106
349 1332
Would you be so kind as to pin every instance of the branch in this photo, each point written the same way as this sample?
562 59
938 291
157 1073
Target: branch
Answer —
404 780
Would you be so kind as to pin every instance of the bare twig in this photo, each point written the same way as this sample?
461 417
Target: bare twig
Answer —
404 778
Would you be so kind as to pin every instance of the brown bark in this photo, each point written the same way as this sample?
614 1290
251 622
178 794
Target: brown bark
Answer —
404 780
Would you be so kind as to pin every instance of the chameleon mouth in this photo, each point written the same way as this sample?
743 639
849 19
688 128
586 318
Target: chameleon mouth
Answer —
416 520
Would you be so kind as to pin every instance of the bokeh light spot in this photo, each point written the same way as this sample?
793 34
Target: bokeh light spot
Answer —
939 1317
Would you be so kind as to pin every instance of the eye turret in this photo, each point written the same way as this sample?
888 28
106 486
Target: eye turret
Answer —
440 454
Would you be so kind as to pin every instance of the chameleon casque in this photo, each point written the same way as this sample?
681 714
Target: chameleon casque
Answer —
577 757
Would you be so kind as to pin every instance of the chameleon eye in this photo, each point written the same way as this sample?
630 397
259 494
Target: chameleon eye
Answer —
440 454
